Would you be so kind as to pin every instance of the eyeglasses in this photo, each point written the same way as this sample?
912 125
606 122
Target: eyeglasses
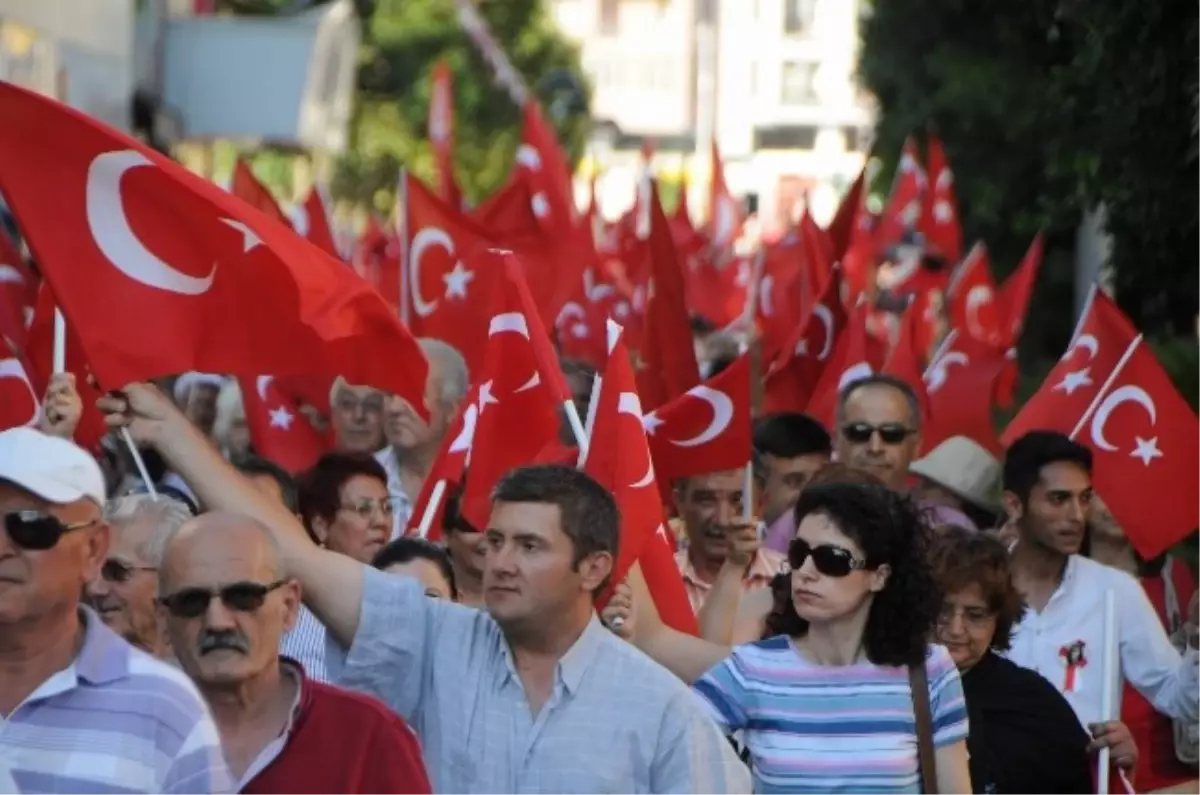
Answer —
244 597
973 617
364 508
368 405
119 571
889 432
830 560
38 531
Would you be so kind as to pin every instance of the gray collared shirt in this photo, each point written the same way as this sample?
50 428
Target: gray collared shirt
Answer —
616 721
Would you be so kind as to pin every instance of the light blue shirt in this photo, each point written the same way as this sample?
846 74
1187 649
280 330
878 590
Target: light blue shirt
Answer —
616 721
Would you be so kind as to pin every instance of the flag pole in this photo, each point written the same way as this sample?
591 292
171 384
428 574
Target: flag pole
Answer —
1108 673
431 508
581 437
402 234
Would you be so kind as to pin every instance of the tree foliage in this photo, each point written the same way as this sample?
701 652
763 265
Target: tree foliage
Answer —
1047 109
402 41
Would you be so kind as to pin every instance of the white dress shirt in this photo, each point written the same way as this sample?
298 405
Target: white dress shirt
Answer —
1146 658
402 507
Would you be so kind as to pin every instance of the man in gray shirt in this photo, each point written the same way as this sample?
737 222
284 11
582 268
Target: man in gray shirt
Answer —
532 696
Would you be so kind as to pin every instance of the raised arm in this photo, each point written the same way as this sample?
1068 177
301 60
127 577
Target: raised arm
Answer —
683 655
332 584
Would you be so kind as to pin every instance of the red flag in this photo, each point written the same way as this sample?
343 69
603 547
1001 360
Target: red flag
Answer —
959 383
19 404
939 217
160 271
447 470
903 209
971 298
1013 299
1103 333
706 429
311 222
278 432
247 188
724 213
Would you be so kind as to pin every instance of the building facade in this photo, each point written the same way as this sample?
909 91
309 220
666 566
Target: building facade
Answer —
772 80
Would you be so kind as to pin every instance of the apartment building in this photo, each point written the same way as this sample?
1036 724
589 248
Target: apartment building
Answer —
772 80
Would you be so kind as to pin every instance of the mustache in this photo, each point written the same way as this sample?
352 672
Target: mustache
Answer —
228 640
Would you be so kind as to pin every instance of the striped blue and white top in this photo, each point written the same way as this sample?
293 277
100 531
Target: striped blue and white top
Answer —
815 728
115 720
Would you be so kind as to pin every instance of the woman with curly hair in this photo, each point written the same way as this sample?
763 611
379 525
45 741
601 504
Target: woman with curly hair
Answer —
825 703
1024 735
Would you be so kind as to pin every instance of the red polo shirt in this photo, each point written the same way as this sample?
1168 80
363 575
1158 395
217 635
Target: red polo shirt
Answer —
341 741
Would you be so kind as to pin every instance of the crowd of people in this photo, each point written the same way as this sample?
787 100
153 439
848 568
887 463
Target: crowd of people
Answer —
869 621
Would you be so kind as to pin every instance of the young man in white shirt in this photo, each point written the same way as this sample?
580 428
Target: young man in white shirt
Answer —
1047 491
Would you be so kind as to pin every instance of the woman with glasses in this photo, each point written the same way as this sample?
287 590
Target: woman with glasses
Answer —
826 703
345 505
1024 735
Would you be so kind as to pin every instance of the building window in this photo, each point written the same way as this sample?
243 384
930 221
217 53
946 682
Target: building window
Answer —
798 83
798 16
610 16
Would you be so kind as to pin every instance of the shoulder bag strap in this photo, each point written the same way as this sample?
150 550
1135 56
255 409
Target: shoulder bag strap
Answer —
918 684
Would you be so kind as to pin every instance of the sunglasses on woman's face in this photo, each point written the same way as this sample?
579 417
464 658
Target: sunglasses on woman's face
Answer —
38 531
244 597
830 560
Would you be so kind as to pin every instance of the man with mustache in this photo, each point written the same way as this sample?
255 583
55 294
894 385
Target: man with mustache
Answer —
226 602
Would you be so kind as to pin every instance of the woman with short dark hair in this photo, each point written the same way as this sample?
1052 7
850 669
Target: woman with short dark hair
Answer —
1024 735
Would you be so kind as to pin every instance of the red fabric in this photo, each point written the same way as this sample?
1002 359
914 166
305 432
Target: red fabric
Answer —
1157 765
344 742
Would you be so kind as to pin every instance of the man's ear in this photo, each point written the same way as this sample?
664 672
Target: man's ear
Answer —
1013 508
595 569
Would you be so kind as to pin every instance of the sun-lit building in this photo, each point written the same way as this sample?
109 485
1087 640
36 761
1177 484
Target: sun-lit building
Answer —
773 80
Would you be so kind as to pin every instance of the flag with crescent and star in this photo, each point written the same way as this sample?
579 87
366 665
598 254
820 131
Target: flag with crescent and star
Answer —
279 432
159 271
1110 393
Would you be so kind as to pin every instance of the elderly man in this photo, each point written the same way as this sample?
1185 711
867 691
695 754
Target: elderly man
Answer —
124 592
63 673
503 700
413 444
356 415
226 602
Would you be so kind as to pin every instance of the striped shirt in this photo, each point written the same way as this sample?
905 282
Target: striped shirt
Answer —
814 728
115 720
305 643
615 720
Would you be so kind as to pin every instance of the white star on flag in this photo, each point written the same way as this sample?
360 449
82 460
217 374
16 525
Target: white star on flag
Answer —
1147 450
942 212
1072 381
457 281
249 239
281 418
485 396
650 423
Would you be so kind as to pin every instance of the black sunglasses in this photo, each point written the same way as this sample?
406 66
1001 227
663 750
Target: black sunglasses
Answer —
244 597
889 432
118 571
830 560
38 531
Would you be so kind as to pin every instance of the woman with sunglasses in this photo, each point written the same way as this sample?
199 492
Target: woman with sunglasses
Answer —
825 703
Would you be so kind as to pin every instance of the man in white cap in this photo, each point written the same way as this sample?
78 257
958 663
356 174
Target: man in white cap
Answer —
83 710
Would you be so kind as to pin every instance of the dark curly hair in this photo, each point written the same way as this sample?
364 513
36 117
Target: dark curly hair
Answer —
889 530
961 558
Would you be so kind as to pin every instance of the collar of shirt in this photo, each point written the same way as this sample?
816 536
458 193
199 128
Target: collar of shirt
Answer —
103 658
573 664
273 749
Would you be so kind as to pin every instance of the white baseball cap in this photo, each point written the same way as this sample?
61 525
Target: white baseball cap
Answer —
54 469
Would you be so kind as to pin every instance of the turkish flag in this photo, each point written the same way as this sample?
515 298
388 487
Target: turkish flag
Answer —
971 298
706 429
310 219
856 355
939 217
19 404
18 294
520 391
447 470
247 187
795 370
441 132
959 384
1103 334
159 271
278 431
903 209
